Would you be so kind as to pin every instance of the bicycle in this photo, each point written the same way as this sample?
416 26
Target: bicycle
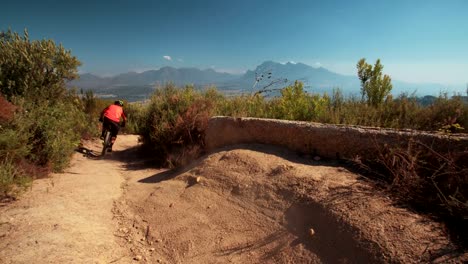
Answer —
107 141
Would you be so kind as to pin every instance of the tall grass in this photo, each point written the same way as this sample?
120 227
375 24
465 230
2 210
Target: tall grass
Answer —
174 115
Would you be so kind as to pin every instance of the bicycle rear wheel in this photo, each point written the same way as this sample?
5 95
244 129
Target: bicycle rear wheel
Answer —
107 142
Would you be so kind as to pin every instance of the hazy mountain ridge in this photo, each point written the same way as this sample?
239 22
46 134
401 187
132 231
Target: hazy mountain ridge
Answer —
179 76
315 80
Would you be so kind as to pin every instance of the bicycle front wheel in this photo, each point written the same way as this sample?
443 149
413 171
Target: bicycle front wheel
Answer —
107 142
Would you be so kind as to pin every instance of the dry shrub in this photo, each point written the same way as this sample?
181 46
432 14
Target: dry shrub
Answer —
431 181
183 156
419 172
191 125
175 124
7 110
33 170
189 131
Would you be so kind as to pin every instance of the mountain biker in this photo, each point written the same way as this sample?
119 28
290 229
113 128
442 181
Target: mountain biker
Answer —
110 117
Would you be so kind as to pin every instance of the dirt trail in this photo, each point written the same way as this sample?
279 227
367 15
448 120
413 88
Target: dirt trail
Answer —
245 204
68 217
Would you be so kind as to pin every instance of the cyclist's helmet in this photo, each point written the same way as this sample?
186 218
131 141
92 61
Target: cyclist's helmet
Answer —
119 102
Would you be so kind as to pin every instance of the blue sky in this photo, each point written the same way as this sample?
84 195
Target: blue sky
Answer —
417 40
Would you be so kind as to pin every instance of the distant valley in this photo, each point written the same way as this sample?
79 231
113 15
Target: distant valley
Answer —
139 86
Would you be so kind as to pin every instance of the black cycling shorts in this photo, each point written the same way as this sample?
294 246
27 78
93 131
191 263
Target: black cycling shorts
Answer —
112 126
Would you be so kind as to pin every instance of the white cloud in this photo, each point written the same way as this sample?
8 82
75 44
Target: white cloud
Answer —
318 64
167 57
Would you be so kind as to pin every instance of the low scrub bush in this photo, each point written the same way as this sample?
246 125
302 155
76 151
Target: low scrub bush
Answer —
176 119
136 117
50 130
40 138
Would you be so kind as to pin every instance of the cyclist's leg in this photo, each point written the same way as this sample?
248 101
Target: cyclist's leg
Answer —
114 131
106 123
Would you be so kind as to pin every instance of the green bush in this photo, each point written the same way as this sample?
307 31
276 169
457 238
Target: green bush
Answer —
44 120
294 104
135 117
46 134
35 70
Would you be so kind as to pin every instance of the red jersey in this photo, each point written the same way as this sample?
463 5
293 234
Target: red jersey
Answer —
114 113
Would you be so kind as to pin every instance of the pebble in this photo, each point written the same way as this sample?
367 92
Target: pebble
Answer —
138 258
311 232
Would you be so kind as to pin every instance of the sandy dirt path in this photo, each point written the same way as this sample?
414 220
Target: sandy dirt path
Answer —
68 217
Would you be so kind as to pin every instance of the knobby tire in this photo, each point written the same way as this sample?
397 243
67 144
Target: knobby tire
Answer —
107 142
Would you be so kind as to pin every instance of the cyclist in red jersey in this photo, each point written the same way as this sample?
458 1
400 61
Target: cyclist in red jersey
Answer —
110 117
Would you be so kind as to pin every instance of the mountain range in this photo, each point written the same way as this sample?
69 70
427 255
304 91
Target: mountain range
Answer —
137 86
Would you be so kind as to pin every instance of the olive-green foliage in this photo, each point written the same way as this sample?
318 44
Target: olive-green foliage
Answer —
175 119
243 105
135 117
34 69
48 119
403 112
296 104
374 87
54 132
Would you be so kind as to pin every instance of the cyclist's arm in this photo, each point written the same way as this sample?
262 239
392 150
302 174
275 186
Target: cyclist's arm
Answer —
124 117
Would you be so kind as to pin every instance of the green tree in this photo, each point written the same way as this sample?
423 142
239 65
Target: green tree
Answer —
375 87
36 70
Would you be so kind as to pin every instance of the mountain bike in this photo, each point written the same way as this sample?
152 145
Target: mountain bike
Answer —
107 141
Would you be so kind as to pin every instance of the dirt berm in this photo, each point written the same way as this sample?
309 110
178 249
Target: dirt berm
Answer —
264 204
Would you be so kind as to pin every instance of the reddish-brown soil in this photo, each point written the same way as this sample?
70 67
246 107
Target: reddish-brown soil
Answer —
244 204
